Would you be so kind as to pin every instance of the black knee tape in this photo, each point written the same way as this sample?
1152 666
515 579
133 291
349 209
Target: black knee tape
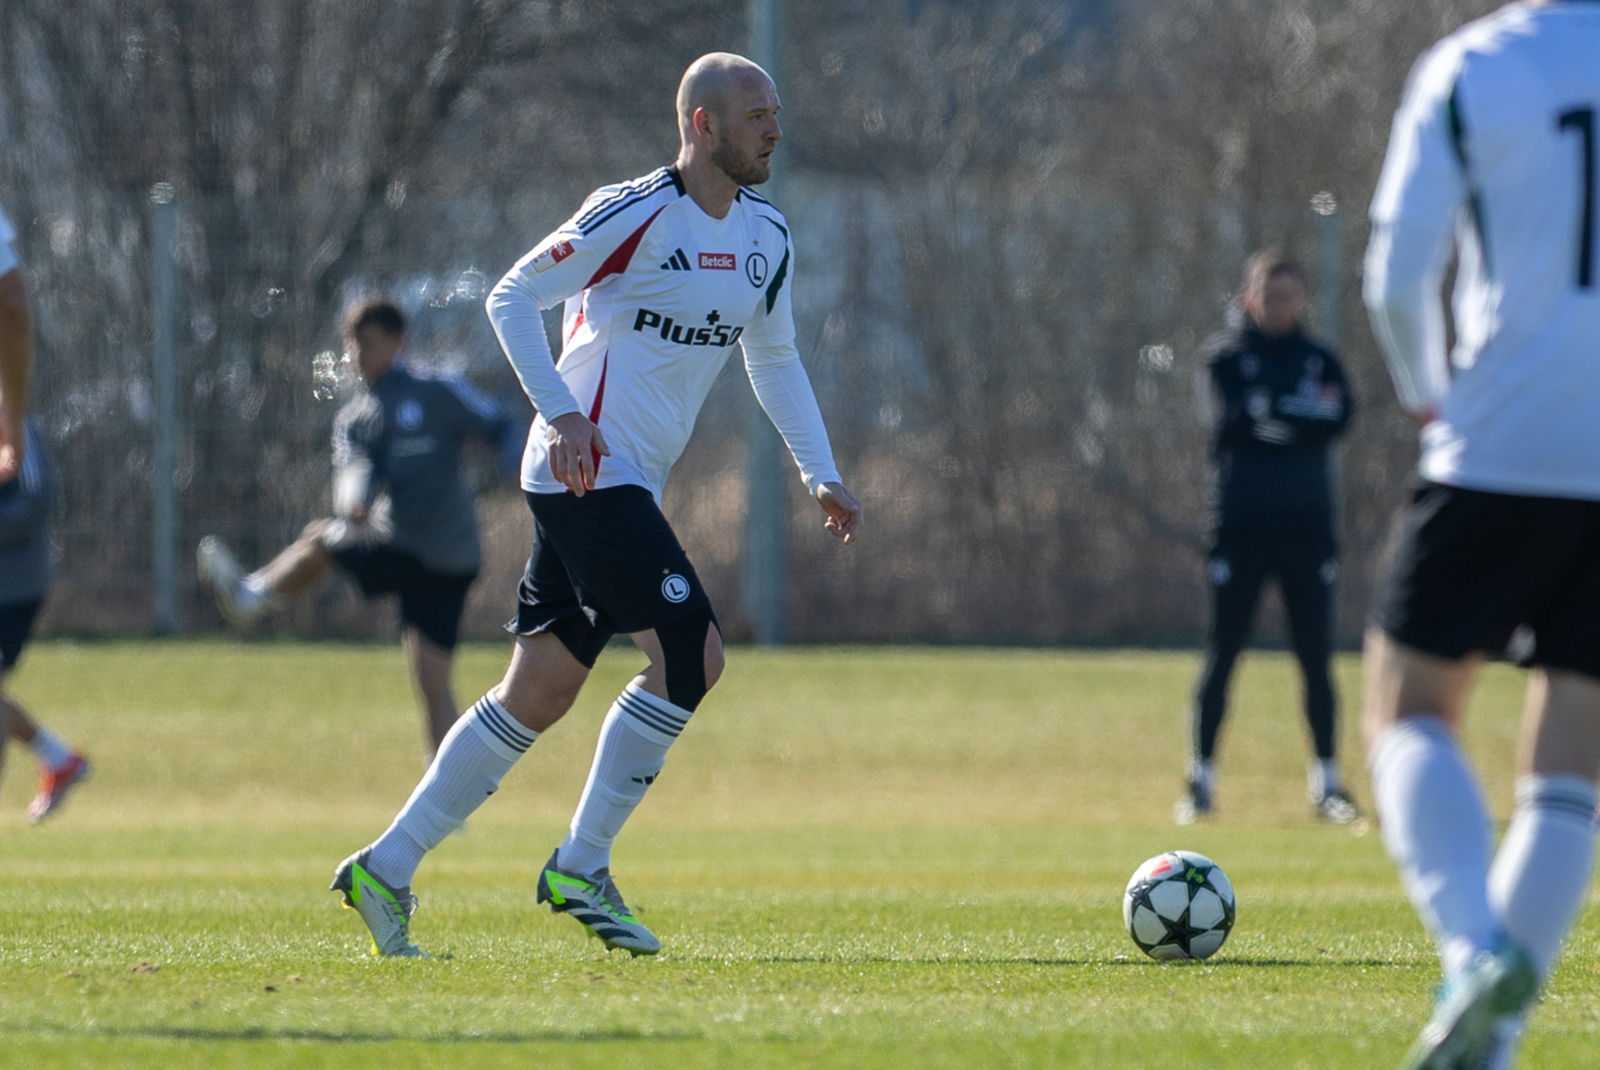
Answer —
683 648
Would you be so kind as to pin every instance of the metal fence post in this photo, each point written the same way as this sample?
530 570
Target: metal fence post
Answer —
164 408
1330 321
1330 269
766 549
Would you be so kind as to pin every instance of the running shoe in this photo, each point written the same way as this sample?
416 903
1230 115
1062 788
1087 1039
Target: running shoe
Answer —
221 572
1466 1026
1195 804
54 785
387 911
597 906
1336 807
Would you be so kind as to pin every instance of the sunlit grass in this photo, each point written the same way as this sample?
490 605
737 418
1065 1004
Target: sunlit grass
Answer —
872 858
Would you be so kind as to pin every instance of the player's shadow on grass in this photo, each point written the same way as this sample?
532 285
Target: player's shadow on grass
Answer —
333 1036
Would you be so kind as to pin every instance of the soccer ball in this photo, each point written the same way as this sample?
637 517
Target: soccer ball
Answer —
1179 905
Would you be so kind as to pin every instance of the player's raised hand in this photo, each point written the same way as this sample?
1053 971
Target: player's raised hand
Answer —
843 509
576 446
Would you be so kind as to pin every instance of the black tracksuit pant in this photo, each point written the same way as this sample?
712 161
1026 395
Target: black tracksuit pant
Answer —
1306 568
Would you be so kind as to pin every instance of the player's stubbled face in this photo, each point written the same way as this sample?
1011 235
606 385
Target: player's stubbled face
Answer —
747 133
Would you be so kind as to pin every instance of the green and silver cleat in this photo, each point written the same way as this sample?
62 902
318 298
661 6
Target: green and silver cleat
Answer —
598 907
387 911
1466 1025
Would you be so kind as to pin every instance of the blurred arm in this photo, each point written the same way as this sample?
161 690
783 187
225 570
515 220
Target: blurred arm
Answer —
355 472
1325 416
16 361
1420 196
25 498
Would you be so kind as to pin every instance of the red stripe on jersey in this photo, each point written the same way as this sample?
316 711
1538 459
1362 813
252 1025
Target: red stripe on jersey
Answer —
578 322
599 399
617 262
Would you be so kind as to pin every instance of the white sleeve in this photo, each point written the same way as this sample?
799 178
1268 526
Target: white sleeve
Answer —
783 388
593 245
516 315
1420 196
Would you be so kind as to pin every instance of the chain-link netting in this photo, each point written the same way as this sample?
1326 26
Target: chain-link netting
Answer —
1012 388
1015 225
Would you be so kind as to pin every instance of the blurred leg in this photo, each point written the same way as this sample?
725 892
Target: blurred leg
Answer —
1546 860
430 666
1308 598
300 565
1435 823
1236 581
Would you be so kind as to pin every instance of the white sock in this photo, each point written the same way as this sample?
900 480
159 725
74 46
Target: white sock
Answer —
1203 773
1322 776
254 595
479 749
1545 863
51 750
1437 831
632 748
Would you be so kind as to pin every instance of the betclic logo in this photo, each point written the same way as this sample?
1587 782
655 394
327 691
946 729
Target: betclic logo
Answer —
719 262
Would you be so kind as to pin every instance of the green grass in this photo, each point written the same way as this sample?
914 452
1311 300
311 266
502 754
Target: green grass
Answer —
864 858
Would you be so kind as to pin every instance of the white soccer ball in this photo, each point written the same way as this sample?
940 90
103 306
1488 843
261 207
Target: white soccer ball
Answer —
1178 905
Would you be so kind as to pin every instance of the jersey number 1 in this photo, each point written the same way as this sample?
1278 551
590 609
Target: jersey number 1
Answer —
1582 120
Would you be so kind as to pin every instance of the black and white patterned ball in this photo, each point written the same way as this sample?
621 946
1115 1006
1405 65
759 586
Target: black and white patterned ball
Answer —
1179 905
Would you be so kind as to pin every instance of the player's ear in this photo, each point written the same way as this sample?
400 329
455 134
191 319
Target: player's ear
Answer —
702 122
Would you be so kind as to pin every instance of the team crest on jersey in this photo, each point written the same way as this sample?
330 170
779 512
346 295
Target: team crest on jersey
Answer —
550 257
719 261
409 414
755 269
675 588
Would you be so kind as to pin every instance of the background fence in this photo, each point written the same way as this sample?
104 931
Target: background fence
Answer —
1014 229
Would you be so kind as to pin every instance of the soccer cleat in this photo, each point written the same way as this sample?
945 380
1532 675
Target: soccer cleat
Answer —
1195 804
54 785
1336 807
597 906
221 572
1466 1027
387 911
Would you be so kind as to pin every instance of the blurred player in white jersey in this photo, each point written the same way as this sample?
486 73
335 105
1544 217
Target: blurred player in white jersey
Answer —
26 566
1494 142
661 278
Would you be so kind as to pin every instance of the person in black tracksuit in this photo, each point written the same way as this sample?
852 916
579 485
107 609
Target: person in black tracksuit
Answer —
1283 400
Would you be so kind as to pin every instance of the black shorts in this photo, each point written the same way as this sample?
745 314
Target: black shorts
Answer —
432 602
604 563
16 625
1473 568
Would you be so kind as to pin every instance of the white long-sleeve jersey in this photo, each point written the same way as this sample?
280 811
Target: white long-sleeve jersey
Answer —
1496 142
657 293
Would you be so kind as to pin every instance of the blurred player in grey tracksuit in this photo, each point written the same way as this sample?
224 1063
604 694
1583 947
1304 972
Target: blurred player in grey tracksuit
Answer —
405 519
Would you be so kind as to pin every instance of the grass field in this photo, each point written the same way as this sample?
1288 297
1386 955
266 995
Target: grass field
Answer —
863 858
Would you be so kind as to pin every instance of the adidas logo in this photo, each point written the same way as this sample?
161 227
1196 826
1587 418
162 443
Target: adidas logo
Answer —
679 261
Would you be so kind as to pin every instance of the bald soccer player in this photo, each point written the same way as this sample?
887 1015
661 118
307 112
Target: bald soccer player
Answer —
661 278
